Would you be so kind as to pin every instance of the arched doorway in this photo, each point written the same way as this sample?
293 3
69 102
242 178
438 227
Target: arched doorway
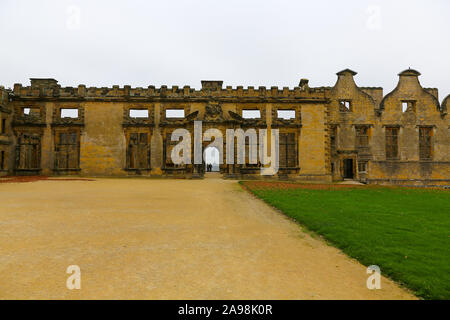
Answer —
211 159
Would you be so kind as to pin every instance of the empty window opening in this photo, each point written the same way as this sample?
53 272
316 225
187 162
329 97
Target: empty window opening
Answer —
404 106
175 113
212 157
362 138
362 167
138 113
286 114
138 152
28 152
345 105
251 114
67 150
392 143
287 150
425 143
408 106
3 126
28 111
69 113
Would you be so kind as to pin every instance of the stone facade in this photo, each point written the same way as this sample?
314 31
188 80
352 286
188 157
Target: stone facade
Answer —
333 133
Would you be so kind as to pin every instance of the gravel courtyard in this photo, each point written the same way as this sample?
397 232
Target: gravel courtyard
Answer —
165 239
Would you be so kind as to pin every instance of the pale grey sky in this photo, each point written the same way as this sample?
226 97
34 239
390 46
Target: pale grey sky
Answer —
258 43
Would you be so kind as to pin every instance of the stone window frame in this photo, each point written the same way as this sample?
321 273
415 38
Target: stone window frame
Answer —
57 131
359 137
252 106
411 105
365 165
392 128
429 145
139 132
38 135
163 110
288 145
343 108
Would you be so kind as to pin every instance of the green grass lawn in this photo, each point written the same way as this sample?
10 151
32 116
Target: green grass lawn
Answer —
405 231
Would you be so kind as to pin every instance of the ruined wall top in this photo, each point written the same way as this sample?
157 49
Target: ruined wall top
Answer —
49 89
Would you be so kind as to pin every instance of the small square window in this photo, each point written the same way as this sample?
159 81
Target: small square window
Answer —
408 106
69 113
286 114
138 113
362 167
345 105
31 111
251 114
175 113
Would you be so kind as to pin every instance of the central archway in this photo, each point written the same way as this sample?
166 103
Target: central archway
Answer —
211 159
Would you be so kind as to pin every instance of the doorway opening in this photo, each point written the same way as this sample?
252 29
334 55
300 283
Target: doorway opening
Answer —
211 156
348 169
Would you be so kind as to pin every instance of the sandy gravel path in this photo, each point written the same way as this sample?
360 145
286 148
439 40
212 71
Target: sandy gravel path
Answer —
164 239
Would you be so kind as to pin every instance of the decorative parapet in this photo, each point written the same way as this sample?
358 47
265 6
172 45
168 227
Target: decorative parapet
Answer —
50 90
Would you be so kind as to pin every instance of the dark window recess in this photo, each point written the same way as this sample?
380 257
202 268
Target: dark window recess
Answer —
287 151
249 145
28 152
138 151
392 143
67 151
2 160
3 126
333 137
425 143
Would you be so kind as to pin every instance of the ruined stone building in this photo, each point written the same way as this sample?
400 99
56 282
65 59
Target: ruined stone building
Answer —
325 133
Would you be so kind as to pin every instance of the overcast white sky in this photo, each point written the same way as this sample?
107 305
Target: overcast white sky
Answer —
258 43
